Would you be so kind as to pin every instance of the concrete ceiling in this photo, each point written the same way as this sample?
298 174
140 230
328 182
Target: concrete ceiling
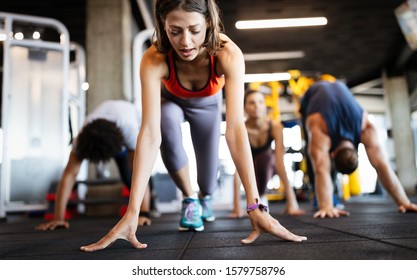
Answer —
361 40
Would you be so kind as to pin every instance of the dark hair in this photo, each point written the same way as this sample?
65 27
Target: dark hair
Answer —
346 160
98 141
249 92
207 8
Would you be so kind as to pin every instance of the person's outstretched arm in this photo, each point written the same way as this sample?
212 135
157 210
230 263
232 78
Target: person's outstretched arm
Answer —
385 173
318 149
233 67
292 207
63 193
144 216
147 146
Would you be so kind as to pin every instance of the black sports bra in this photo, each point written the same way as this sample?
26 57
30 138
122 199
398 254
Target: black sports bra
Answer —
266 146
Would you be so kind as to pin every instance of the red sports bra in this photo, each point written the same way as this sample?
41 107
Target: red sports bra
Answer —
213 86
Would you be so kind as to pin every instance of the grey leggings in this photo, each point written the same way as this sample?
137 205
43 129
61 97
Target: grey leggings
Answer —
204 117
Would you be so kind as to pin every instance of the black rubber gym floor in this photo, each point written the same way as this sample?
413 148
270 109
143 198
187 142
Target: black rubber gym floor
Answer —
373 231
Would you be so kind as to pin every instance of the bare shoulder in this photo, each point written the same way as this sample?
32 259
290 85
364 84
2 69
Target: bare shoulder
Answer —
277 129
276 124
316 122
230 49
229 42
153 57
230 54
317 132
368 133
154 61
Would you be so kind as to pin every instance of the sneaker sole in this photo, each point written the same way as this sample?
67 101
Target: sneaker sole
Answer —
209 219
180 228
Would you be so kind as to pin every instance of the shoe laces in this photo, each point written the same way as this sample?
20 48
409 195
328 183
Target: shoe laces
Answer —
191 210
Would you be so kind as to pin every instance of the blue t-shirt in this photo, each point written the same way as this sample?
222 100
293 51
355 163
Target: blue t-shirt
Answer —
339 109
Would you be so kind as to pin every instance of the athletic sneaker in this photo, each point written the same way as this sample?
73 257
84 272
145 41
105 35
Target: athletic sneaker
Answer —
207 209
191 215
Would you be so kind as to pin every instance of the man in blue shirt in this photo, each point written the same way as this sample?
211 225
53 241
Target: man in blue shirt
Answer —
335 124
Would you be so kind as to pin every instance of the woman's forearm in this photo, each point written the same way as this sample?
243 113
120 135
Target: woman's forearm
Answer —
290 197
63 195
145 156
238 143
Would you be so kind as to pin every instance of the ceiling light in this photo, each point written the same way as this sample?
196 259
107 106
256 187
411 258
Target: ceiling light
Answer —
267 77
36 35
273 55
85 86
278 23
19 36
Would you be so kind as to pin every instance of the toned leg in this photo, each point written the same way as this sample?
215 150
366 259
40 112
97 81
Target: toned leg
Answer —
172 149
182 179
176 162
204 122
204 119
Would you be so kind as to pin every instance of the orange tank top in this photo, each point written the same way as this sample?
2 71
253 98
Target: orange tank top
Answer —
213 86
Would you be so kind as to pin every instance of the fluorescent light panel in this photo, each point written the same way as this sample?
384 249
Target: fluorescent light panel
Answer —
267 77
273 55
279 23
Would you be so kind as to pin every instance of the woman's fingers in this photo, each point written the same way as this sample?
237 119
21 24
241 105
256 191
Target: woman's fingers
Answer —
252 237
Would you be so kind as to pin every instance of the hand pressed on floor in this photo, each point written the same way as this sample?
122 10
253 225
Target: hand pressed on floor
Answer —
125 229
263 222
